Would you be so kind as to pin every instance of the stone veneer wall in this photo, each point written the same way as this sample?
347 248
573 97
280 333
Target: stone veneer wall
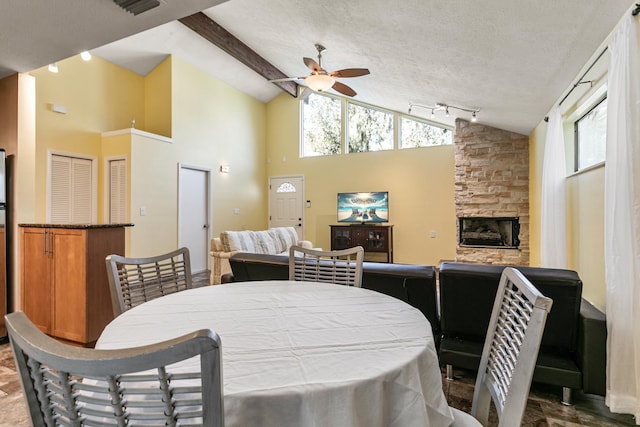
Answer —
492 180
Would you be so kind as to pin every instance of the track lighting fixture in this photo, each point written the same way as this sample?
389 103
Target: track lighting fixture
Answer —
53 67
445 107
86 56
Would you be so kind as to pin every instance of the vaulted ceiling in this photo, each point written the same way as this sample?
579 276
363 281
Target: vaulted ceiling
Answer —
511 59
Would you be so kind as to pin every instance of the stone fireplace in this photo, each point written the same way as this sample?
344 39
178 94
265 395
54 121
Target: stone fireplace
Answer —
491 194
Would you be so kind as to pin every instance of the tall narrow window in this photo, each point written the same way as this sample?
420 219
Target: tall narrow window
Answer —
591 137
369 129
415 133
118 191
72 190
321 129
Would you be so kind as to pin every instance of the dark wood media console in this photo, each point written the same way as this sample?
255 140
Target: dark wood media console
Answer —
373 238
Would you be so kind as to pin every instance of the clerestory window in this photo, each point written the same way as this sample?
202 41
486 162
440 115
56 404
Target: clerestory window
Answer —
333 125
591 137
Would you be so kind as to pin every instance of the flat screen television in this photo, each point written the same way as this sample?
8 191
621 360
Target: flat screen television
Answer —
363 207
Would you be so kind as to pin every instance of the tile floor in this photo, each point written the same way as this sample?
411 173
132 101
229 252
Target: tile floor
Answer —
543 409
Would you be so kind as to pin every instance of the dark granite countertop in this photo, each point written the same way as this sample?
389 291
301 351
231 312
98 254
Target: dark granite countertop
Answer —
76 226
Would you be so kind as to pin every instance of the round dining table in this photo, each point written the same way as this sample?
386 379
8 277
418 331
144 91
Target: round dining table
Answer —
304 354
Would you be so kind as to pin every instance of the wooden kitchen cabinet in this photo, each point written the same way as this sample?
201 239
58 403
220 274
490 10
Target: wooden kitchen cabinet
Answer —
65 289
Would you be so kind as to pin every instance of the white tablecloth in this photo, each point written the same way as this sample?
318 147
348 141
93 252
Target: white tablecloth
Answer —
304 354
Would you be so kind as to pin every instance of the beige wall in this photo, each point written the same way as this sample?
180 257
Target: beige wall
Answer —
157 99
208 122
98 97
215 124
419 181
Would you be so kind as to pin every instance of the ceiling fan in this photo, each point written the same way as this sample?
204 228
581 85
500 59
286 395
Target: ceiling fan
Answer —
321 80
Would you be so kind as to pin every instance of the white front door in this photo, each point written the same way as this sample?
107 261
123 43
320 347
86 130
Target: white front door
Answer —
193 215
286 203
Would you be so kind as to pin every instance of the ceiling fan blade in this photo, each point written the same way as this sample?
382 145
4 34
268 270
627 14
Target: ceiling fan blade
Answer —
304 95
312 64
286 79
350 72
343 89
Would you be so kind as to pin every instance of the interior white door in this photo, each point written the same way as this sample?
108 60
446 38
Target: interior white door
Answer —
193 215
286 203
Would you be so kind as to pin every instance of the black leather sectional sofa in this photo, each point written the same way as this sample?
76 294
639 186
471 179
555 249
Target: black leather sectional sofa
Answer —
573 349
467 293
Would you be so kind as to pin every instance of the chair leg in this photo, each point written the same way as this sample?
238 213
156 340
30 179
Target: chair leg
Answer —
566 396
449 372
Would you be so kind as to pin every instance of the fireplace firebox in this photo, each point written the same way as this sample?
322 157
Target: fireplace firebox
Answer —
486 232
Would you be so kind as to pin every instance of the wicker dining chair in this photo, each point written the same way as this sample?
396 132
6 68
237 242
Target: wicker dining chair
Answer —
343 267
66 385
133 281
509 354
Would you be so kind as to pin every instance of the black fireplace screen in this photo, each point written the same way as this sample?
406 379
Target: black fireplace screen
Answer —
489 232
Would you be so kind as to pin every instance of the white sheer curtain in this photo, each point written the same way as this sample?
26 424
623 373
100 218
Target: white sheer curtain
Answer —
622 222
553 223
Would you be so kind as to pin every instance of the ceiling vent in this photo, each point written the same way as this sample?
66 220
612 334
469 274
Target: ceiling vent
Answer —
137 6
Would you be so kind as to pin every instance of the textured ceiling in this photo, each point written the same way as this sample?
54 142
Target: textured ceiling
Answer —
510 59
34 33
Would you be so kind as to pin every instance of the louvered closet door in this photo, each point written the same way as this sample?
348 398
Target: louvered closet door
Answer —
71 190
118 191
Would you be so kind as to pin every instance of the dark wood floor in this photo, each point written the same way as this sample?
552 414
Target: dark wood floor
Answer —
543 409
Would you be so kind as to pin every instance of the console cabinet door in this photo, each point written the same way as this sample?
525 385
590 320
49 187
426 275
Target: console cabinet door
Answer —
69 253
36 277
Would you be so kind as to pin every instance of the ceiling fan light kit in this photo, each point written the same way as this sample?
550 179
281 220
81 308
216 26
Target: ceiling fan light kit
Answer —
321 80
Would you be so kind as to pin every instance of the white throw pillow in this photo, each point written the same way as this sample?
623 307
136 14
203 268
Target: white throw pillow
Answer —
286 237
242 241
265 242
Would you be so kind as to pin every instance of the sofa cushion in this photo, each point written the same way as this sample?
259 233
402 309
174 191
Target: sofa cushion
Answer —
467 293
285 238
244 241
266 242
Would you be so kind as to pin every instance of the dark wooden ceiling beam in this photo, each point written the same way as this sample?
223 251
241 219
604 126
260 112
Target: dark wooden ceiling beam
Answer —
214 33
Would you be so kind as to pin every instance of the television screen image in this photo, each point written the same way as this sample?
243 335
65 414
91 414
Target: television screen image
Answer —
363 207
